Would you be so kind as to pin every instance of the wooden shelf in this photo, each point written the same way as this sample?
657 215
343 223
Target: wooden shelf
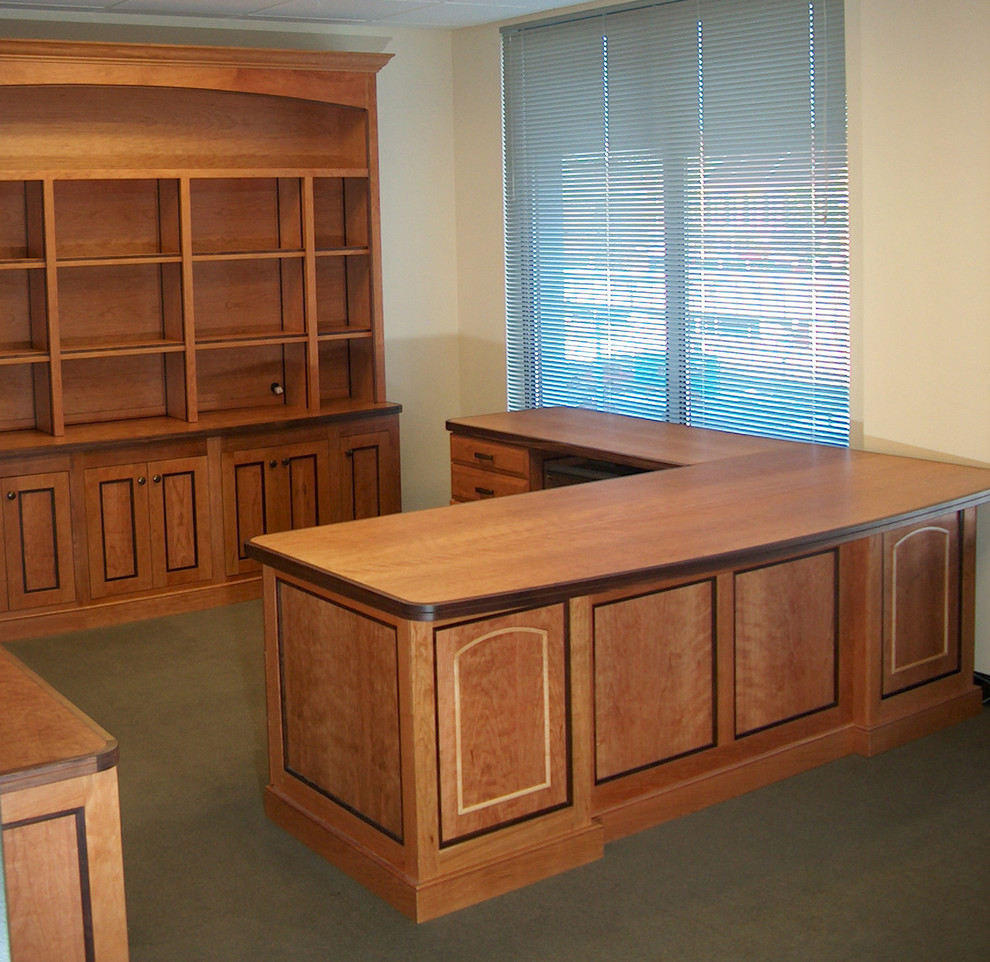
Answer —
120 348
232 339
118 260
22 354
263 255
345 334
22 264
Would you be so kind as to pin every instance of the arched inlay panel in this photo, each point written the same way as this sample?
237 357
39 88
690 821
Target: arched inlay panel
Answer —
501 720
921 610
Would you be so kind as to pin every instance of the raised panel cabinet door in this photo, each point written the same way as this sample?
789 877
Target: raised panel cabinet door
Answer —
501 720
272 489
302 486
180 521
118 529
367 475
3 564
246 504
921 603
38 537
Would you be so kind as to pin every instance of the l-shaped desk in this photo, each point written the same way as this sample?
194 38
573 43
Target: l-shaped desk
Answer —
467 699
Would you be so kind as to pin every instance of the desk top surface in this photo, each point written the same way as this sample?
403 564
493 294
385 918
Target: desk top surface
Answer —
544 546
44 738
597 434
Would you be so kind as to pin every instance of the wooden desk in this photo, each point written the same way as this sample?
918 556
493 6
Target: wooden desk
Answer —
467 699
61 826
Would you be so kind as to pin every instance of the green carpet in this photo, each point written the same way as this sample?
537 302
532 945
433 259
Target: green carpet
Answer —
879 859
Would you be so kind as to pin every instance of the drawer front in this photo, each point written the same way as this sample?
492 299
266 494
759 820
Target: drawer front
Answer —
490 455
473 484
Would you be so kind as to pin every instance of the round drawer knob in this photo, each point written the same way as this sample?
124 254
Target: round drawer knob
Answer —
11 495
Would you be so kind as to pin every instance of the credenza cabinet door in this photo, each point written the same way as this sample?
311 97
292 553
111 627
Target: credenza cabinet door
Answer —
118 529
180 521
276 488
148 525
37 531
366 474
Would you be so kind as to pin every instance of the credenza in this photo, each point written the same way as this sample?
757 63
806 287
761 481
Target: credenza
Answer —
191 348
466 699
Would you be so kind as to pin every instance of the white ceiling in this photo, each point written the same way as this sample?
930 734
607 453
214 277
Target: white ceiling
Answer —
407 13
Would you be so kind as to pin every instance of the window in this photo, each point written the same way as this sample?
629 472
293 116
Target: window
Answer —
676 200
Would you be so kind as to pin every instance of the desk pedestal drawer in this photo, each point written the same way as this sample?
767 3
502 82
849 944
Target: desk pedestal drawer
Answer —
472 484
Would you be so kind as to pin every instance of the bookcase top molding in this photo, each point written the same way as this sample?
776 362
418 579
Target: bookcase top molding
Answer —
340 77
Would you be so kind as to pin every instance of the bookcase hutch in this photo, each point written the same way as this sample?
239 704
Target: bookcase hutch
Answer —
190 320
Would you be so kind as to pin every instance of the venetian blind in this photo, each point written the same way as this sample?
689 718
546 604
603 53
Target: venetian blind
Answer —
676 204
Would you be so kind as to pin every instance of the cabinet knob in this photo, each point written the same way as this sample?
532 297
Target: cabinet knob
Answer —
142 480
286 462
349 452
273 463
483 456
11 495
157 478
485 492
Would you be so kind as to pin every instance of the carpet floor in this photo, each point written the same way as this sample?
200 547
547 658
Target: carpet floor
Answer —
862 859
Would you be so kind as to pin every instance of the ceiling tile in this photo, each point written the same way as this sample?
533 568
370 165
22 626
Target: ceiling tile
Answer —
342 11
202 8
426 13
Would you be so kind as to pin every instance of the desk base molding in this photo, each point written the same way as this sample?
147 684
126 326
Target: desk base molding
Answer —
719 785
457 889
462 886
899 731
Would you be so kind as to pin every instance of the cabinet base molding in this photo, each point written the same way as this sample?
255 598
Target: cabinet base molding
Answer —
445 893
122 610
